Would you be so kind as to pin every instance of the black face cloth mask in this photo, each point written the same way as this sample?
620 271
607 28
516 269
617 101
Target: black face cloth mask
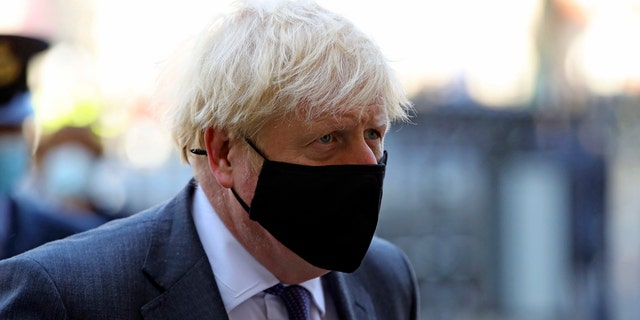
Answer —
327 215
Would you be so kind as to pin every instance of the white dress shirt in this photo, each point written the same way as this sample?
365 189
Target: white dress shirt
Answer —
241 279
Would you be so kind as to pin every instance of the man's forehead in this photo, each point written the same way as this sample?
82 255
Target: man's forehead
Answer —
347 116
305 125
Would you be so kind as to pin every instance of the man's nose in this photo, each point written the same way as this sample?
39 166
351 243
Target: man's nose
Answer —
362 153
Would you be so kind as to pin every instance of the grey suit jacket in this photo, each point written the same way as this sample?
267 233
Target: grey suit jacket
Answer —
152 266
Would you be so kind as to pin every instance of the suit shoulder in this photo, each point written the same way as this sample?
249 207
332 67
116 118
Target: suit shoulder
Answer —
383 251
119 239
386 272
385 263
25 283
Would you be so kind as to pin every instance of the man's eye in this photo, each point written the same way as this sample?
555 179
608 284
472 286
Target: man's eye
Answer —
371 134
326 138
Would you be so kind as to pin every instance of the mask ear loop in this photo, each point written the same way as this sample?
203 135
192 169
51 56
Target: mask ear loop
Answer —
253 146
242 203
202 152
235 194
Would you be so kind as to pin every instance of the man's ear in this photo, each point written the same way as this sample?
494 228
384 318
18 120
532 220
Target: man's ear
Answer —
217 144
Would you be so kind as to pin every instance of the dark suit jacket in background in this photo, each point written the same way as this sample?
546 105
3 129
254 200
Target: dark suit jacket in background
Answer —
33 223
152 266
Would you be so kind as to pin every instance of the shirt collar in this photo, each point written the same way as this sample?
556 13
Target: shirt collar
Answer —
238 274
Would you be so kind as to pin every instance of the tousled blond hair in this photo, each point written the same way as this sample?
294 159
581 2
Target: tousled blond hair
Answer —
270 59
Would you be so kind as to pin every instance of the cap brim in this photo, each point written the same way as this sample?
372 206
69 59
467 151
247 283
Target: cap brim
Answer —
26 46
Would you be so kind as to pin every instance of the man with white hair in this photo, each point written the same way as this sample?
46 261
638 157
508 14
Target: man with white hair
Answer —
282 115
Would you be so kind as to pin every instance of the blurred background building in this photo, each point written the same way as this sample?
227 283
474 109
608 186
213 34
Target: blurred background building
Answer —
513 192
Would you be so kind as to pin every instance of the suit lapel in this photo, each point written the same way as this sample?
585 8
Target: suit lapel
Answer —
177 264
351 299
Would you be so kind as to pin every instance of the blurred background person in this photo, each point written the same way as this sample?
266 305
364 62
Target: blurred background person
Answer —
63 166
25 221
69 168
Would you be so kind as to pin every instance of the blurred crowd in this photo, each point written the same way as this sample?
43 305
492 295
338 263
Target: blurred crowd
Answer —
29 216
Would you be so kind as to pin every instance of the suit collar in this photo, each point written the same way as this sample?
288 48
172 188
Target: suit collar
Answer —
351 299
178 266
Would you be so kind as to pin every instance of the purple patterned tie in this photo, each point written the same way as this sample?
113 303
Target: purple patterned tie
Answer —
296 299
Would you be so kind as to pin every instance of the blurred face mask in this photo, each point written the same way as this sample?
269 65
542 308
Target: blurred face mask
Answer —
327 215
14 159
67 170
